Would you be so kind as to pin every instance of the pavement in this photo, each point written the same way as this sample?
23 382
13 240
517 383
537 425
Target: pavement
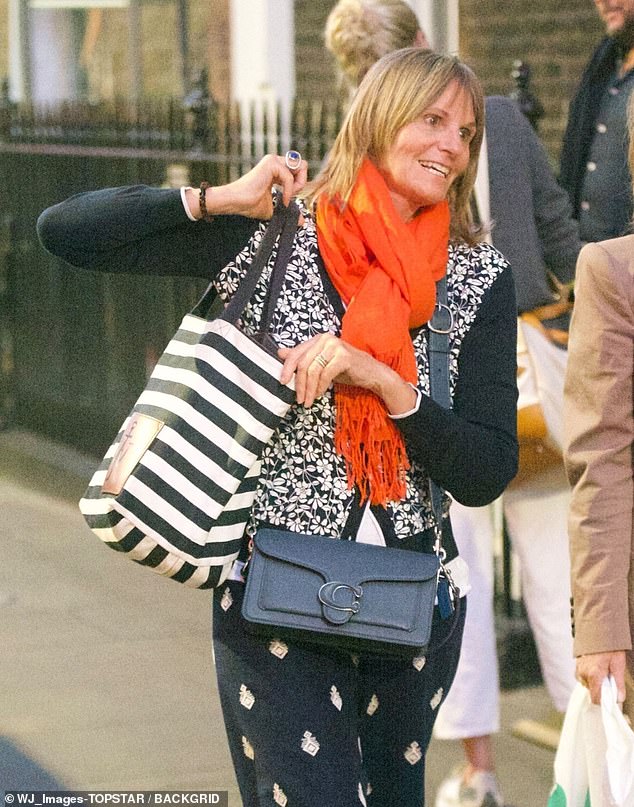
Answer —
106 670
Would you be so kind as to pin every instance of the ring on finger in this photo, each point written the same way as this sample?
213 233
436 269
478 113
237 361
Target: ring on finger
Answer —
321 360
293 160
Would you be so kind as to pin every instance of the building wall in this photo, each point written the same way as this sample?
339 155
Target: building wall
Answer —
4 38
315 73
554 37
107 65
211 19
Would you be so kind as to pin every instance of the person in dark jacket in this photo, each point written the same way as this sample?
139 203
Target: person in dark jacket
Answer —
594 168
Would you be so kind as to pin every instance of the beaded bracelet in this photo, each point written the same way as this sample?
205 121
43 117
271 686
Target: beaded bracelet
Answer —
202 202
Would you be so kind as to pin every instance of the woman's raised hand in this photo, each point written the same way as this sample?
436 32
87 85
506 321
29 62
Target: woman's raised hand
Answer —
251 194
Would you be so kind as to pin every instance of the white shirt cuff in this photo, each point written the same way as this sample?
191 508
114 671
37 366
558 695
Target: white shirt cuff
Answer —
185 205
414 409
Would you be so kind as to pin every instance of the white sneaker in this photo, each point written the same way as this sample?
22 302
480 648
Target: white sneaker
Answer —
481 790
449 789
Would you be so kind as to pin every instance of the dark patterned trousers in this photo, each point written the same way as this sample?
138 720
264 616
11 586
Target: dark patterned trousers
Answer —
315 727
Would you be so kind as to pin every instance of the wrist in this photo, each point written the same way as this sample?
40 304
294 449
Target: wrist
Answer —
399 396
205 187
220 201
217 201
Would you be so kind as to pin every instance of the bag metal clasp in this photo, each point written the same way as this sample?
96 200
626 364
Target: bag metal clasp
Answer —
442 312
346 604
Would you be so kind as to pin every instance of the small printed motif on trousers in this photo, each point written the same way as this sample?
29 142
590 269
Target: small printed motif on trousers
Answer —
247 748
310 744
279 796
227 600
373 705
278 648
419 662
436 700
413 753
361 796
335 697
247 699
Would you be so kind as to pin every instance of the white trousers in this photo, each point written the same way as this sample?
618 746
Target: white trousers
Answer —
536 519
472 707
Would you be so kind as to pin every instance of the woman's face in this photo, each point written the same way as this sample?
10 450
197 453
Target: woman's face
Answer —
429 153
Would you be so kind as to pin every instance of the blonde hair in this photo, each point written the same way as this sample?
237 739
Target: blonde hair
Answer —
359 32
395 92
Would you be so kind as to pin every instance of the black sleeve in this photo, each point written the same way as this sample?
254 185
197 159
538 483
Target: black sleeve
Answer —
142 230
471 451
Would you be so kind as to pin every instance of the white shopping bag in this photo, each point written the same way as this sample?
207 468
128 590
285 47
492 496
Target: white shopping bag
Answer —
620 748
594 764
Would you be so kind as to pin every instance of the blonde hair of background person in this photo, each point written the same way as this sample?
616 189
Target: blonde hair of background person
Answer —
359 32
394 93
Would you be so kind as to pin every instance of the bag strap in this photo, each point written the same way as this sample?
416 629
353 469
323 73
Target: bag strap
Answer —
244 292
278 274
284 225
440 326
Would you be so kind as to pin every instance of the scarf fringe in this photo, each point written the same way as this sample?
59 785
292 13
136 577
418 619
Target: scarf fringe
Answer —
371 446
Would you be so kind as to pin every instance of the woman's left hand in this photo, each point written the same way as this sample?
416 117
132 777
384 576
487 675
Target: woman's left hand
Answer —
325 359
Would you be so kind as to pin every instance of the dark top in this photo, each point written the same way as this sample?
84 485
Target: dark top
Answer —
605 207
533 226
585 113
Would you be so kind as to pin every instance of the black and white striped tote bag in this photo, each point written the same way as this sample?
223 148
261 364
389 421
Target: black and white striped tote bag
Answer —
175 488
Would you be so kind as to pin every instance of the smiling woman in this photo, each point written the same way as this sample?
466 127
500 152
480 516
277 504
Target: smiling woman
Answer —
385 223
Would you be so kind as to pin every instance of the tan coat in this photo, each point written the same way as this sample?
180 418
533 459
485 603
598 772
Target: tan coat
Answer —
599 414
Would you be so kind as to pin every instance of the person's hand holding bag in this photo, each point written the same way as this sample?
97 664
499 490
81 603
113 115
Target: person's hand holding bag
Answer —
594 668
326 359
250 195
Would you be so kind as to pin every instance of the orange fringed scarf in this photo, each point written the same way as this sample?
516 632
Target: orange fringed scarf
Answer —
385 271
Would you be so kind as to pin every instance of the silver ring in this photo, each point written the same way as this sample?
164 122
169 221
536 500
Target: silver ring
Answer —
321 360
293 160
